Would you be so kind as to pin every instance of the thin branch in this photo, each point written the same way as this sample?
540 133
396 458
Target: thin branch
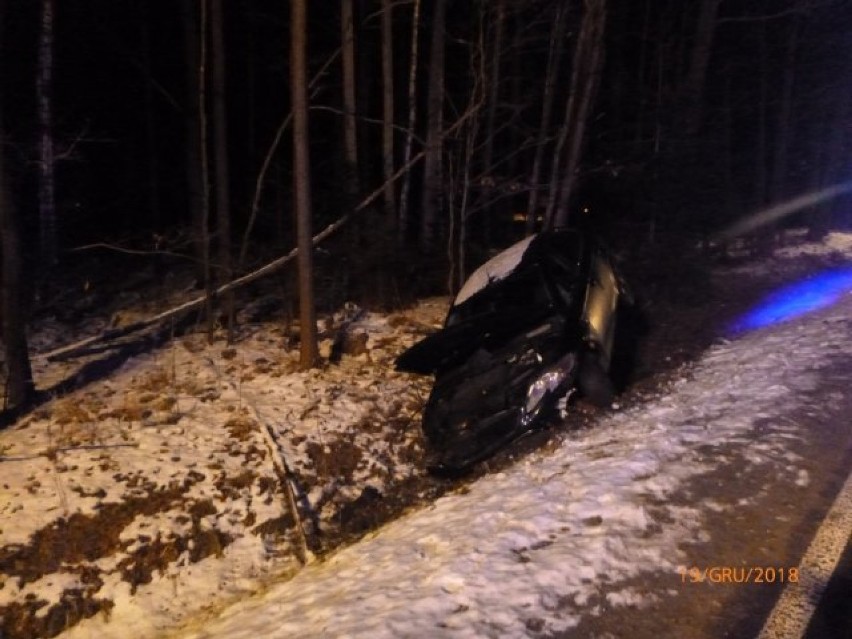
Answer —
267 162
128 251
797 9
362 118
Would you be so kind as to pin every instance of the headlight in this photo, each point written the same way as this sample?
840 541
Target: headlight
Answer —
550 381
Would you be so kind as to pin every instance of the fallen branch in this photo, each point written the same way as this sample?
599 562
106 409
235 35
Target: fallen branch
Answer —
72 350
267 161
82 346
186 307
283 471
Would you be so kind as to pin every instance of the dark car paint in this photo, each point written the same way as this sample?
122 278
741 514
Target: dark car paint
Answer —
501 338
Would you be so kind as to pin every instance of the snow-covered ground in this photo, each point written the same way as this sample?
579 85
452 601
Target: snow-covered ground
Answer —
167 476
525 552
149 499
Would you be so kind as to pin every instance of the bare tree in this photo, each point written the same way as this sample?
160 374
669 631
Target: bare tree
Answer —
432 162
459 177
780 149
220 141
195 179
44 90
585 77
692 88
151 132
19 381
309 352
19 386
828 165
760 166
493 84
412 121
350 129
387 108
554 56
204 166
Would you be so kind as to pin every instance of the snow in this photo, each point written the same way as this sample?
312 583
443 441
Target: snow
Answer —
535 544
835 241
497 268
199 433
195 436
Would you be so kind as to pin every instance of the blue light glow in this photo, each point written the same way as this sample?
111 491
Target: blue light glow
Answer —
794 300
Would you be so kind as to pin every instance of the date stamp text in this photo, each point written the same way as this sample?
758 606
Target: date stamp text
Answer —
738 574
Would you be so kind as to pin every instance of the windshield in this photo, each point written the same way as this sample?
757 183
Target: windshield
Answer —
524 291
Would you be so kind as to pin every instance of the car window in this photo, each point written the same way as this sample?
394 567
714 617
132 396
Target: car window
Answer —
566 244
523 291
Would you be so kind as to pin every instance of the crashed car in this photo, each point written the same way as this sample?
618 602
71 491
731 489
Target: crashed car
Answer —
530 327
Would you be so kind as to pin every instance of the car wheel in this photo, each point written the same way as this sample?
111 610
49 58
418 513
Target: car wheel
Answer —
594 382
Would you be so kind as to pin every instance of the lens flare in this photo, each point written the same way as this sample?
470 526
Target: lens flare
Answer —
794 300
783 209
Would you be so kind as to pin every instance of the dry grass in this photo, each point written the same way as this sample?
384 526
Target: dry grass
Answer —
157 381
70 411
241 427
339 459
71 544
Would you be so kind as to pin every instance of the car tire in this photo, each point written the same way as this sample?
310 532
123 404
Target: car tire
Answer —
594 382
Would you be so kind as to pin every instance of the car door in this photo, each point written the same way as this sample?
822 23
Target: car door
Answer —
601 301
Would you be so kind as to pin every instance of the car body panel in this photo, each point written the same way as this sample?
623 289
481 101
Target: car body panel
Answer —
548 303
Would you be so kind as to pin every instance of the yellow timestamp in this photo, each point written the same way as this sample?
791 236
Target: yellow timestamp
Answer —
738 574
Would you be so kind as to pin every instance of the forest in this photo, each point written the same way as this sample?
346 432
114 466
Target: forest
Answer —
379 150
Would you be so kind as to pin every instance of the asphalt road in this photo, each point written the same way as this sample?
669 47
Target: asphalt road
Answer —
756 545
833 616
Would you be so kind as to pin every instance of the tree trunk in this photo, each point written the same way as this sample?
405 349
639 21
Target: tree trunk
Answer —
220 141
193 139
387 109
19 386
462 159
19 382
252 62
350 128
404 221
730 195
641 99
47 187
780 150
762 106
491 111
585 78
204 167
309 352
831 171
432 162
692 90
151 138
554 57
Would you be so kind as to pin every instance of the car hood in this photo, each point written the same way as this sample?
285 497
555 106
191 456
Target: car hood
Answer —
454 344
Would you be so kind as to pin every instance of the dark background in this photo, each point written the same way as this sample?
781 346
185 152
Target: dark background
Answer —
120 99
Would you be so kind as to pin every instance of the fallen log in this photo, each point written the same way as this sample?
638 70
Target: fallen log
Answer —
83 346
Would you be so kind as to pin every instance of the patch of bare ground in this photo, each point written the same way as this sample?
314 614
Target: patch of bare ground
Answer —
356 509
72 544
